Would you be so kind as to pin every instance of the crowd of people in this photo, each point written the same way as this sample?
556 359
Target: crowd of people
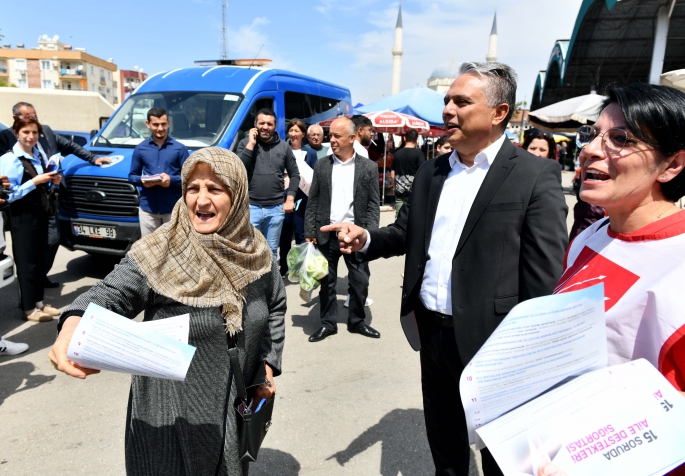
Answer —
482 227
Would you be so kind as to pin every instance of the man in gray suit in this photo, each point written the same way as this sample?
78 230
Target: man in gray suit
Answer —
344 189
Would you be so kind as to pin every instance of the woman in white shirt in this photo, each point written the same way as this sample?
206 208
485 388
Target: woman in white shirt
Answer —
28 203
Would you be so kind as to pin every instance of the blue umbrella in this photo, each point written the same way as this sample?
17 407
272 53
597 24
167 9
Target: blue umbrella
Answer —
419 102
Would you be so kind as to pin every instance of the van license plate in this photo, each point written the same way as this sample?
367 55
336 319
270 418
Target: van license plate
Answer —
96 231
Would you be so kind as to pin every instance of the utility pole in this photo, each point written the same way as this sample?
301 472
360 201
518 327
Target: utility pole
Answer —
224 42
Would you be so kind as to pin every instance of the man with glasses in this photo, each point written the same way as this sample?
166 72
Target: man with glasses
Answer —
49 144
315 138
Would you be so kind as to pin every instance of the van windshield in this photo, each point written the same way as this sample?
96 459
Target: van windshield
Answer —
196 119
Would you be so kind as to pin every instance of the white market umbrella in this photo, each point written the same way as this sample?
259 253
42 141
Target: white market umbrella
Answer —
674 79
568 115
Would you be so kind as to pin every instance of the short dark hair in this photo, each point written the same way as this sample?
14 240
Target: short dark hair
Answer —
361 121
16 109
156 112
297 123
536 134
265 111
19 124
655 115
441 141
412 135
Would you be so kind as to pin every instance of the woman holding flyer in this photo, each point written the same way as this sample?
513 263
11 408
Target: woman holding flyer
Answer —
208 262
30 184
306 159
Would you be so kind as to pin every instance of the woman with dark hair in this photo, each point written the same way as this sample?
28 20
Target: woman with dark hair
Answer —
305 156
540 144
28 201
211 263
632 164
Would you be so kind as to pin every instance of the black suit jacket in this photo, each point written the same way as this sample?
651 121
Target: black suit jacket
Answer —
51 142
367 212
511 249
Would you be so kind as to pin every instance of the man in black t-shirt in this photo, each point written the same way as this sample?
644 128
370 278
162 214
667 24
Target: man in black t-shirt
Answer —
405 164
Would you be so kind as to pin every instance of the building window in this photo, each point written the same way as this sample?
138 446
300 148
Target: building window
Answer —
47 84
20 64
44 65
21 83
109 75
92 70
69 86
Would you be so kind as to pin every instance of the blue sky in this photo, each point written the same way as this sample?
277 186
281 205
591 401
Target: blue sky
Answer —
347 42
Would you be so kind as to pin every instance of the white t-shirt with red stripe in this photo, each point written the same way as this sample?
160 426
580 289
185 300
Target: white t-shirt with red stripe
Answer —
644 286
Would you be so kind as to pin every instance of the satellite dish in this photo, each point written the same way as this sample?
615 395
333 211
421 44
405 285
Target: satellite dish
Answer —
44 37
55 38
135 67
140 70
80 67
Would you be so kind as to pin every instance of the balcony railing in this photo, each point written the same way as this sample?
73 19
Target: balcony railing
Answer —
3 70
71 72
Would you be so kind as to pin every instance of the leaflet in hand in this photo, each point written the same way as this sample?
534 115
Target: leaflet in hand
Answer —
622 420
540 343
306 176
105 340
151 178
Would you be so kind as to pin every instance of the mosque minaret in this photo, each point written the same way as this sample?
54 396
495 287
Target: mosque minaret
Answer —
492 46
397 54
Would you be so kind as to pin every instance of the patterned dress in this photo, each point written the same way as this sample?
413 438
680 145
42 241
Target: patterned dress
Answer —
176 428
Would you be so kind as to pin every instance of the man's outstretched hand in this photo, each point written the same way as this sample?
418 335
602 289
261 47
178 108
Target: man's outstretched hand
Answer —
351 237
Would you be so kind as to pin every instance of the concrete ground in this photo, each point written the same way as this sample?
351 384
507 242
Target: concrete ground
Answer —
346 406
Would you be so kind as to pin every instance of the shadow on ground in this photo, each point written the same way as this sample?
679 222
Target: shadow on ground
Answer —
16 377
402 434
274 463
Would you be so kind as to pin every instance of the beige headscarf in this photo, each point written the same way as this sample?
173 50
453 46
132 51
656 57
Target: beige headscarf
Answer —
207 270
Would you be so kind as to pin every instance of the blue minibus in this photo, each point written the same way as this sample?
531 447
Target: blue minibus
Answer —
207 106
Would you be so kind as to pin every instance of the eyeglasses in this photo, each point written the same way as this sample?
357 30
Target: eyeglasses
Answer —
23 117
315 135
613 140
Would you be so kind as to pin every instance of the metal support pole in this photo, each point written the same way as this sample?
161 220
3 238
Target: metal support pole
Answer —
385 158
660 38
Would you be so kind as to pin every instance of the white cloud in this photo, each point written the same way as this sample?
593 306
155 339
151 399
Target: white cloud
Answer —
246 41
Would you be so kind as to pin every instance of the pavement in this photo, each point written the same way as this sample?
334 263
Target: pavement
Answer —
348 405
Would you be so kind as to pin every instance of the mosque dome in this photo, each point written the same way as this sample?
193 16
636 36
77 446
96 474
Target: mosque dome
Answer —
443 76
447 70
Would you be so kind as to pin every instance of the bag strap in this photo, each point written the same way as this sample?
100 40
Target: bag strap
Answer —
237 374
28 166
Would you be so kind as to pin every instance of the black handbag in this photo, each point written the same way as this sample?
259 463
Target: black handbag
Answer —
252 427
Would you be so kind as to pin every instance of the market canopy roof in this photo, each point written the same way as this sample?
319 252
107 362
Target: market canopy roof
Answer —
419 102
568 115
612 43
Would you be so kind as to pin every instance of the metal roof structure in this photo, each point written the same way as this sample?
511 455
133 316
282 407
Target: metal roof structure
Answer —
612 43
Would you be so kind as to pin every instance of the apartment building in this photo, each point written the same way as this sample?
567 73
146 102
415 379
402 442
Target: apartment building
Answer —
129 80
55 65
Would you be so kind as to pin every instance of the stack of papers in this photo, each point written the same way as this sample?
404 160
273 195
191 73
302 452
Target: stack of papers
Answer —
105 340
151 178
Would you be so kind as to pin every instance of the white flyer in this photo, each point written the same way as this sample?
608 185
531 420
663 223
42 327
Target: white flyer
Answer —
306 175
105 340
177 327
540 343
621 420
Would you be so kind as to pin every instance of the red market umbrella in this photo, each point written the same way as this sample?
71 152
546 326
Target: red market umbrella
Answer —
392 122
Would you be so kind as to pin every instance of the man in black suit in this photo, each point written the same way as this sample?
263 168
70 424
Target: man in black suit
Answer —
49 144
344 189
484 229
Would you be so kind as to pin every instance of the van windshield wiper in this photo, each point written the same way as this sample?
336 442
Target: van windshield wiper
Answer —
106 140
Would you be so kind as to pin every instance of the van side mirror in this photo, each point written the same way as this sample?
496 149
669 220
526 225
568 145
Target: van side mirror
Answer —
93 132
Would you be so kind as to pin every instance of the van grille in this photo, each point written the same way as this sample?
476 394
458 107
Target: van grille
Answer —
121 198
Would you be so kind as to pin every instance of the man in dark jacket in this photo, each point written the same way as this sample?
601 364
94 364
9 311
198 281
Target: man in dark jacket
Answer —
484 229
344 189
49 144
266 158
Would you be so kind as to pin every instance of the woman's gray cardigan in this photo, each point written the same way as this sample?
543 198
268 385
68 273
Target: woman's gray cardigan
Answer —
175 428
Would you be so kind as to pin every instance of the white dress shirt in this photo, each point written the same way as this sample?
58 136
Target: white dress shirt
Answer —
342 191
360 149
457 196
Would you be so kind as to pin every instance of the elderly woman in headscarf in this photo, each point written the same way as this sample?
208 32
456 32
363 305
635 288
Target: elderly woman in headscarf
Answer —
209 262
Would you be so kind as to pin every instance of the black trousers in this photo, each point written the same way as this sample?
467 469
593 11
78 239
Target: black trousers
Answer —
292 222
441 369
29 227
52 245
358 277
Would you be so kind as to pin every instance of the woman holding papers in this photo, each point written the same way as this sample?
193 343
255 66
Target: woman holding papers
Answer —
306 159
211 263
632 165
30 182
